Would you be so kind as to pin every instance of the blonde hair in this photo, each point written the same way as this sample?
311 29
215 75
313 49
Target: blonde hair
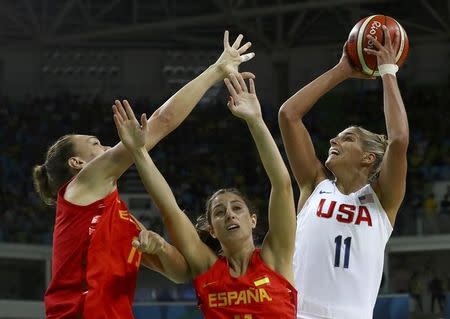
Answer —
372 143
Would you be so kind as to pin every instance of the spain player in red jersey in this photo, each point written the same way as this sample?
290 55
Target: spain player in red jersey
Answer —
94 264
243 282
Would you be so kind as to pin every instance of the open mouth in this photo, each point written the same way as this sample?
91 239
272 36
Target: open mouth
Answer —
232 227
333 151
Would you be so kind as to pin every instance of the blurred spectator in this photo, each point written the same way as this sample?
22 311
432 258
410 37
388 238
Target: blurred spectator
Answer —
437 293
210 150
430 209
415 289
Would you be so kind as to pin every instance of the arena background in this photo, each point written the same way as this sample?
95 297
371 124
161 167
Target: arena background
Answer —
63 62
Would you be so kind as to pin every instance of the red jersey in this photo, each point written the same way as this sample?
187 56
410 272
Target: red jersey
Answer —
94 266
260 294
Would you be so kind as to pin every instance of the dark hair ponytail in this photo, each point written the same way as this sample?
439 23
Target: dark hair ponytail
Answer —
42 185
50 176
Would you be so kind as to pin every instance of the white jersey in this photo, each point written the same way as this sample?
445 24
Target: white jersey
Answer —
339 253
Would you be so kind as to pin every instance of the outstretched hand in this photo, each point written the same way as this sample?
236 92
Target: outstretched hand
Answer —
385 53
243 101
233 55
131 133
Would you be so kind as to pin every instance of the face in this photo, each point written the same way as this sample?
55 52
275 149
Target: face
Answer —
231 220
345 151
87 148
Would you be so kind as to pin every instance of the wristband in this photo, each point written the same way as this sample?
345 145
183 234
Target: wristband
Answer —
387 69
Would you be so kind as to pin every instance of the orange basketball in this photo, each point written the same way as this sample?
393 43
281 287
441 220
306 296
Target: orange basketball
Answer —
357 41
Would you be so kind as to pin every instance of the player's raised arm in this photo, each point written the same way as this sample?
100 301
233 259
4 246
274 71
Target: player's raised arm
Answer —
167 117
278 246
307 169
181 230
391 183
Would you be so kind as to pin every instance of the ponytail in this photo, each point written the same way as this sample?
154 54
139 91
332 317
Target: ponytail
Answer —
55 172
42 185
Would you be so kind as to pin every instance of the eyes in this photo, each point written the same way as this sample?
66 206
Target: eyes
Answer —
348 138
221 211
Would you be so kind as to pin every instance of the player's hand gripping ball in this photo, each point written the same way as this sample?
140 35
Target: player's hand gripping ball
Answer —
358 40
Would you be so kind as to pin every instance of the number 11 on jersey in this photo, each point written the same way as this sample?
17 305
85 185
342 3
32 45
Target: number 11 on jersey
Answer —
337 254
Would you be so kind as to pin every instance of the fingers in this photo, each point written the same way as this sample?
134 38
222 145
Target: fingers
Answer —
117 121
242 82
387 37
372 52
244 48
143 239
377 43
230 88
144 122
396 41
129 111
237 42
237 86
117 113
252 86
248 75
226 42
231 105
121 110
149 242
135 243
247 56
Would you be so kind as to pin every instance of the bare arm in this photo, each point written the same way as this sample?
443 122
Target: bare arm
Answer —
391 184
108 167
159 255
278 247
183 234
305 165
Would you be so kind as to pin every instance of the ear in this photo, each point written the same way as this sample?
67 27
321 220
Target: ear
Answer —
254 220
368 158
76 163
211 232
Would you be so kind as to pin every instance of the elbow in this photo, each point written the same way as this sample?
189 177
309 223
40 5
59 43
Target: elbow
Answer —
284 183
287 114
400 141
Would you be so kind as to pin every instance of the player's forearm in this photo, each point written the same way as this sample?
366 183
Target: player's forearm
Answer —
173 264
394 111
177 108
301 102
270 155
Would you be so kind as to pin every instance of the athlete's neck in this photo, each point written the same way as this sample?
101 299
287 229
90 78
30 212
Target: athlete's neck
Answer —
239 257
349 181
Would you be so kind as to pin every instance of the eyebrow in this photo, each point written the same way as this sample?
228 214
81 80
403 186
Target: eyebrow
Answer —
92 137
232 202
348 133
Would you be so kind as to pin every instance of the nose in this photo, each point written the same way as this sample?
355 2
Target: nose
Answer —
333 141
230 213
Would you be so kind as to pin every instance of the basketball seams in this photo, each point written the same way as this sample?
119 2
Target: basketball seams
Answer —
359 45
402 42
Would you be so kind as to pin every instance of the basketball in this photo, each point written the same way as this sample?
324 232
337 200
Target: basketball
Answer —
357 41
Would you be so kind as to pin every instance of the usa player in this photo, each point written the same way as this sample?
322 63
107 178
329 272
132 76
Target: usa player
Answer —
94 265
343 224
244 282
